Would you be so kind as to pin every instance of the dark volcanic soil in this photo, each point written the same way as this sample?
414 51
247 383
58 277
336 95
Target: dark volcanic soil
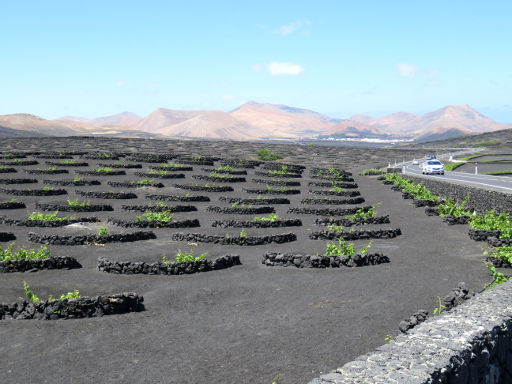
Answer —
245 324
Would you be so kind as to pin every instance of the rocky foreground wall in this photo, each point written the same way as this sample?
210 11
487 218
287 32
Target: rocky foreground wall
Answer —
470 344
479 199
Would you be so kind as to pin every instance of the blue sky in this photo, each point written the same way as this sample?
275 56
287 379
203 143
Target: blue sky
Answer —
96 58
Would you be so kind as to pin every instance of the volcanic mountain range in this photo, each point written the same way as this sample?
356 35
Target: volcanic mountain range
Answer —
259 121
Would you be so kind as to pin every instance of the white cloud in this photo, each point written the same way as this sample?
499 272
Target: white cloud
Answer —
407 70
296 26
228 97
119 83
276 68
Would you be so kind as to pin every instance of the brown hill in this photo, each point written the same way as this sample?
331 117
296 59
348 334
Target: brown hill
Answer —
455 119
76 119
355 129
361 118
399 123
34 125
27 122
8 132
462 117
162 118
210 125
123 119
281 121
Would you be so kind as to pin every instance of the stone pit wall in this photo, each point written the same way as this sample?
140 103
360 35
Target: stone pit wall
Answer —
470 344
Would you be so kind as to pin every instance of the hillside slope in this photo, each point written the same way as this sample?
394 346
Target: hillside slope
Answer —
210 125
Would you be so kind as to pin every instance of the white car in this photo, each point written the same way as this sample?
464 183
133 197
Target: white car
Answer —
432 167
415 162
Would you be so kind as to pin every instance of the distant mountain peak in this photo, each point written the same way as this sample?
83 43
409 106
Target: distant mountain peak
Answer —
254 120
123 119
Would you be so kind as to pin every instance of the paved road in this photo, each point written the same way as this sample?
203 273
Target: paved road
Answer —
498 183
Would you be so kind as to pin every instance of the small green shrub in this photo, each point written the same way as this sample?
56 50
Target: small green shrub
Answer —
389 338
34 299
361 213
226 168
23 254
283 171
183 257
267 155
102 231
76 203
501 253
416 190
272 188
332 173
103 170
171 165
492 222
154 172
243 233
451 208
68 162
30 294
439 310
76 179
335 228
48 189
498 277
165 216
344 249
337 189
34 216
70 295
144 182
270 217
370 172
219 175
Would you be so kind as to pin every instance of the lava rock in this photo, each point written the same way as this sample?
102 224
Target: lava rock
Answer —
52 262
257 224
171 268
241 210
356 235
177 198
235 240
90 239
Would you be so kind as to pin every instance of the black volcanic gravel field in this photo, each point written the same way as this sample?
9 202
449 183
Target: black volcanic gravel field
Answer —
243 324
